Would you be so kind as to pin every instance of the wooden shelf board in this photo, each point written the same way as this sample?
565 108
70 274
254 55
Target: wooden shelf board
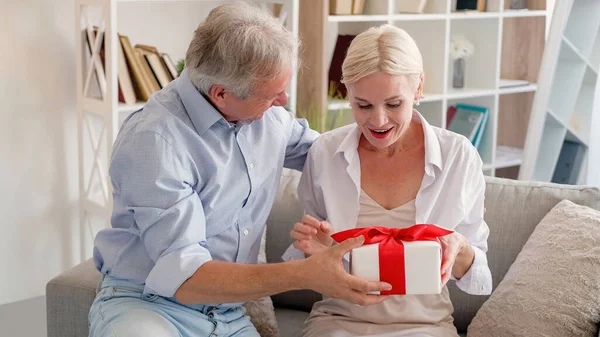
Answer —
507 156
517 89
417 17
473 15
523 13
454 93
358 18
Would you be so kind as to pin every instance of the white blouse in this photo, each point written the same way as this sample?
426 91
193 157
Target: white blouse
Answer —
451 194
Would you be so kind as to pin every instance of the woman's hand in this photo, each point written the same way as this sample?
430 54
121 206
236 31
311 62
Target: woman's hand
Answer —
457 256
311 235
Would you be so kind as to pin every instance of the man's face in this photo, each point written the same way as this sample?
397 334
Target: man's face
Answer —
267 94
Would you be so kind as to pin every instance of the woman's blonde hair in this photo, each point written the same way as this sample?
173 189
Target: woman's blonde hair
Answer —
239 46
386 49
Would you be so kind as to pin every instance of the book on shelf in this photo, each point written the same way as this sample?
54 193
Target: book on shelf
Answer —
569 163
126 93
337 88
470 5
469 121
346 7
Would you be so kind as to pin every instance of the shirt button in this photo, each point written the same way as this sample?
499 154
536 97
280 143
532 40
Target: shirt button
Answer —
251 165
246 232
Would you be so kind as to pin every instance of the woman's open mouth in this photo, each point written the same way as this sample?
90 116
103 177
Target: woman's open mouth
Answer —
380 133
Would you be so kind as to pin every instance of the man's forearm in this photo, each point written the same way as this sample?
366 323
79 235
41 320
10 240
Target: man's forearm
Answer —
227 282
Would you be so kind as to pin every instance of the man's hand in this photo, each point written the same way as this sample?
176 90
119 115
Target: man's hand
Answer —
325 274
457 256
311 235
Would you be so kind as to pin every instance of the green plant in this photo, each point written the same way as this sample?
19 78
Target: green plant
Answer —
327 120
179 66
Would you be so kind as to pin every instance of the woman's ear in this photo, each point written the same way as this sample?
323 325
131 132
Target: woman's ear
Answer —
419 93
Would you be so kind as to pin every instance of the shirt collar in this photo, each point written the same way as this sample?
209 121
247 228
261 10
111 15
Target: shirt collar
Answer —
202 113
433 152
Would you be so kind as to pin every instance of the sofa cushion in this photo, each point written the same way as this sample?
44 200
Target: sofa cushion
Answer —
69 297
291 321
514 208
552 288
285 213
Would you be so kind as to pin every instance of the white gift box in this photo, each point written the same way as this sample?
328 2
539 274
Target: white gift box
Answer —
422 266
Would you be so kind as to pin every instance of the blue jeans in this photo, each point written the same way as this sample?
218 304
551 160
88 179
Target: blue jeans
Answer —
121 309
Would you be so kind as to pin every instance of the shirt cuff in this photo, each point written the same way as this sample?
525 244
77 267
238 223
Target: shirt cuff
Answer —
478 279
171 270
292 253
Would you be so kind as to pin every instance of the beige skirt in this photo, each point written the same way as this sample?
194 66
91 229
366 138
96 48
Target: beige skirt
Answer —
410 315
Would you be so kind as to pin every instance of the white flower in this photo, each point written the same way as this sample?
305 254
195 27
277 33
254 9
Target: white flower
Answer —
460 47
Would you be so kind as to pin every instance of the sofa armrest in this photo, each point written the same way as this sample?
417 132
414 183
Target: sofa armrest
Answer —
69 297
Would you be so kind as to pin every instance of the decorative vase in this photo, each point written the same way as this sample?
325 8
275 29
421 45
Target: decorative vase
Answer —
458 78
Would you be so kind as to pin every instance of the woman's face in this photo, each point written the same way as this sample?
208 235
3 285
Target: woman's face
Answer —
382 106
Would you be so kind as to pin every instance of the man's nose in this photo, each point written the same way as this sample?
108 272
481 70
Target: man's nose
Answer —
281 99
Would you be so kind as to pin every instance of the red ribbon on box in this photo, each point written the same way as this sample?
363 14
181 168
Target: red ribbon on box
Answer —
391 249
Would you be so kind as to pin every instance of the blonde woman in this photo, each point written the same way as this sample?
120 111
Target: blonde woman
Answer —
391 168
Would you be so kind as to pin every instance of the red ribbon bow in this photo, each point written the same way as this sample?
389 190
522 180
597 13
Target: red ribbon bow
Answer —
391 249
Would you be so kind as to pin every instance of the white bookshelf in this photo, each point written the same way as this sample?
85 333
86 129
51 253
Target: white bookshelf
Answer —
565 107
166 24
508 46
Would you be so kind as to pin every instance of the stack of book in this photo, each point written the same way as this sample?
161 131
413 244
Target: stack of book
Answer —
142 69
469 121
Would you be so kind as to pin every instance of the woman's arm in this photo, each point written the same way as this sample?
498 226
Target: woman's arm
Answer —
471 270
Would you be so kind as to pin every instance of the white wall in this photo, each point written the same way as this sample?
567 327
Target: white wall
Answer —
38 152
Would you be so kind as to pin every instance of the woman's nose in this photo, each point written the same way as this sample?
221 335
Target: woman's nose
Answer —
379 117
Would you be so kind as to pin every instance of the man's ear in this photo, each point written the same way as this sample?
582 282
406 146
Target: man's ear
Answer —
217 94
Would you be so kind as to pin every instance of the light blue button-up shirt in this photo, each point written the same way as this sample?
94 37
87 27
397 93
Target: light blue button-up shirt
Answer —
190 187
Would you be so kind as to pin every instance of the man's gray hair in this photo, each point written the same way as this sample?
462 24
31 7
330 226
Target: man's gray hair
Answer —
238 46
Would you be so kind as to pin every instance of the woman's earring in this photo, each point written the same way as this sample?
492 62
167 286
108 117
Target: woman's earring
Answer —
417 103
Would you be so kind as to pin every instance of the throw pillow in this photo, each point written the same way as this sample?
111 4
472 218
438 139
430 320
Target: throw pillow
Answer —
552 288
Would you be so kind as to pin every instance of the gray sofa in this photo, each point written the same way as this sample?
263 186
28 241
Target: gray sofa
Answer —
514 208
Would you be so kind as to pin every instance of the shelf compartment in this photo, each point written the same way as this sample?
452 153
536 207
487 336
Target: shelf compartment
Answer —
553 137
566 82
432 112
522 53
584 18
481 67
581 118
430 37
532 5
513 119
507 156
486 146
431 6
579 54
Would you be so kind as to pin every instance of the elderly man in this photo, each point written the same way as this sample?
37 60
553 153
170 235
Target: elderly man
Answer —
194 175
